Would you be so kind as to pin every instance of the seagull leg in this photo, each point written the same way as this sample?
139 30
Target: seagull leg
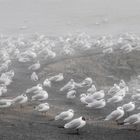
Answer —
117 122
77 132
21 107
128 114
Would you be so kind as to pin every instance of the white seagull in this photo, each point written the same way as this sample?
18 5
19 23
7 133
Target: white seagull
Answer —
35 66
69 86
21 99
129 107
43 108
115 99
98 95
97 104
66 115
76 124
71 94
57 78
41 96
116 114
3 89
5 103
132 120
86 99
87 82
34 76
92 89
47 83
34 88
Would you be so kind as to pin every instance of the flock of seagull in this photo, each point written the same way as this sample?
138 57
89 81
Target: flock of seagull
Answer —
13 49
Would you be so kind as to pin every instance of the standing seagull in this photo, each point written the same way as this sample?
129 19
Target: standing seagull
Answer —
43 107
34 76
47 83
21 100
76 124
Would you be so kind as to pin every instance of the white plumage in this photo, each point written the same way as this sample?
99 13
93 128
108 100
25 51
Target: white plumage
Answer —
76 123
34 76
116 114
97 104
66 115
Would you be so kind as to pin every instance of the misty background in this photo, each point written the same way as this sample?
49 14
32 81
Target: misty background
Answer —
60 17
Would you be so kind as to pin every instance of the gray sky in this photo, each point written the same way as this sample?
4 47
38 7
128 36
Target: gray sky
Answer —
56 17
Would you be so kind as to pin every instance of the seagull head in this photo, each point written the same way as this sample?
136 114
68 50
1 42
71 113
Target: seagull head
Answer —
24 94
47 104
71 110
83 95
83 118
39 85
120 108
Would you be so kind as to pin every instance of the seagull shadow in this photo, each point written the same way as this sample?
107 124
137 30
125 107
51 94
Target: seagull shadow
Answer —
72 133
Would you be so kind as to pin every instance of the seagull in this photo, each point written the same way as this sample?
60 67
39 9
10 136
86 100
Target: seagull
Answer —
35 89
127 48
86 99
69 86
114 89
47 83
97 104
57 78
66 115
132 120
98 95
123 85
35 66
116 99
5 103
5 79
10 74
34 76
71 94
43 107
87 82
23 60
41 96
76 124
121 92
115 115
108 50
21 99
129 107
92 89
136 97
3 89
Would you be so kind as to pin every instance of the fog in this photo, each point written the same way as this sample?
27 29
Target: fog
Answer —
60 17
